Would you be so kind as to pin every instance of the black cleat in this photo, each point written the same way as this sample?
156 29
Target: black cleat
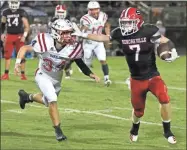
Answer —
59 134
170 137
23 98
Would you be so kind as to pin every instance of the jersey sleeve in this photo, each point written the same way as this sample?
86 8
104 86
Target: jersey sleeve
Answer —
85 21
115 34
155 34
41 43
24 13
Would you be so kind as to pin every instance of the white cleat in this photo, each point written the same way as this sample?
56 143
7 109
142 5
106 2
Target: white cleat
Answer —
172 140
108 82
133 138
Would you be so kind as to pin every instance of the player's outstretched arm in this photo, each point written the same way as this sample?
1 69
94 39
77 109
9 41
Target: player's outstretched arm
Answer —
94 37
84 68
21 57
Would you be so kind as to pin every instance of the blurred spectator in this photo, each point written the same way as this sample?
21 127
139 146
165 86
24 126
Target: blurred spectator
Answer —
161 27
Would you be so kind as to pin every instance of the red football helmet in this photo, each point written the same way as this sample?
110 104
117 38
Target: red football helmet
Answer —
60 11
130 21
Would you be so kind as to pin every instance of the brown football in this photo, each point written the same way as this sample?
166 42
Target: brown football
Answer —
163 51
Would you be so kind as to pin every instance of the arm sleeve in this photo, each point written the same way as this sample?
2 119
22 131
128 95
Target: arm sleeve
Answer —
84 68
155 38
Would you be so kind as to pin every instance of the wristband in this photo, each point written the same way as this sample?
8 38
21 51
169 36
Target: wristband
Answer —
25 34
18 61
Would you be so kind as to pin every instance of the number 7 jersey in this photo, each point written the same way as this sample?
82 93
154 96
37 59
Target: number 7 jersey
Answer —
138 49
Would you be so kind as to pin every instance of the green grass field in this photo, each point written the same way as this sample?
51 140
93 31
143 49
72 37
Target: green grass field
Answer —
93 116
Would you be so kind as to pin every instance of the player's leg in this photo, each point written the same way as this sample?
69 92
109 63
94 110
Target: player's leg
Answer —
159 89
88 53
100 53
138 98
8 49
18 45
48 98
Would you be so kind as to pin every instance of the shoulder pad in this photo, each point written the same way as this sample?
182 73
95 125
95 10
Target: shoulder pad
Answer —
42 43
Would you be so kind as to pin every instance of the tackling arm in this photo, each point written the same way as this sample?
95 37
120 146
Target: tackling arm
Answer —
84 68
22 52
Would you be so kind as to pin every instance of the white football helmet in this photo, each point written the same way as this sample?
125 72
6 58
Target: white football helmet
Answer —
60 11
14 4
61 30
93 9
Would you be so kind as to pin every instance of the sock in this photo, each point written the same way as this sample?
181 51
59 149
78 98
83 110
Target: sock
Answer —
31 97
6 71
135 128
22 72
57 126
105 69
166 126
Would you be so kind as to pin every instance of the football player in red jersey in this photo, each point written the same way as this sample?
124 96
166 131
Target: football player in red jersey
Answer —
15 19
138 42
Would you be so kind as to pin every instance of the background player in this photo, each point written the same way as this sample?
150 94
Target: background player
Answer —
55 51
138 42
94 22
17 24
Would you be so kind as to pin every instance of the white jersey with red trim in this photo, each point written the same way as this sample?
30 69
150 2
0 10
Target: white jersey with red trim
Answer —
52 62
95 26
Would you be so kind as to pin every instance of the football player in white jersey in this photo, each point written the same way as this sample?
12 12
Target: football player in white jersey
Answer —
55 51
94 22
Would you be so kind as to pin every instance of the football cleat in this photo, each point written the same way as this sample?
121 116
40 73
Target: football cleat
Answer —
5 77
133 138
23 77
59 134
108 82
170 137
23 98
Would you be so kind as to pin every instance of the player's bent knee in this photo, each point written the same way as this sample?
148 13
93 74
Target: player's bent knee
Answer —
163 99
23 60
49 99
139 112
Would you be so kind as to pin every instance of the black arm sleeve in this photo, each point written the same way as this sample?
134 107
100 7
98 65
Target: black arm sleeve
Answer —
84 68
3 27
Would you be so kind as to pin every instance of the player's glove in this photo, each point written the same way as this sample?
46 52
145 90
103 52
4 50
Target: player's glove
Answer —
17 67
174 55
78 31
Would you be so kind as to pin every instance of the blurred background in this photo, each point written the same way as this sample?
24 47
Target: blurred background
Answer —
170 17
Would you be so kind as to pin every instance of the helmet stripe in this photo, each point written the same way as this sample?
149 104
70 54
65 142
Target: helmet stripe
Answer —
126 12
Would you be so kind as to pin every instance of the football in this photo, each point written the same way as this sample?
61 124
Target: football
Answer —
163 51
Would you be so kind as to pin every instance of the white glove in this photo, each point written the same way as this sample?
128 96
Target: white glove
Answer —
174 55
78 32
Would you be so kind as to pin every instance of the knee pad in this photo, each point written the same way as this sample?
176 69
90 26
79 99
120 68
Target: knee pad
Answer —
139 112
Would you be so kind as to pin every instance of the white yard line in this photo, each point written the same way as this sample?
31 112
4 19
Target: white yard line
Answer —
15 111
123 82
69 110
